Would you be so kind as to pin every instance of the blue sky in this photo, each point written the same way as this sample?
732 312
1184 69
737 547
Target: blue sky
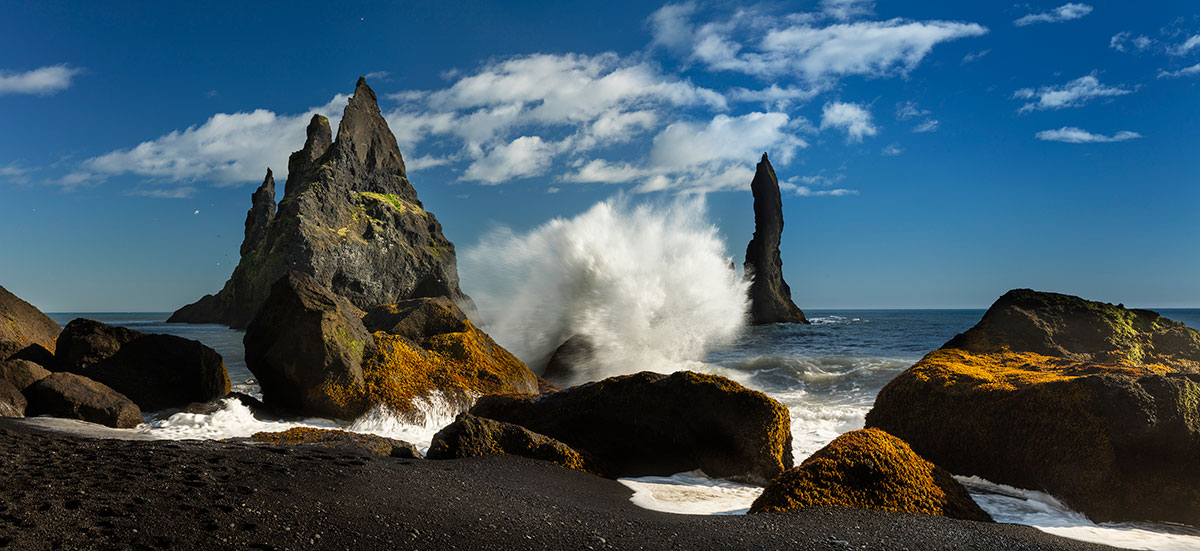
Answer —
932 155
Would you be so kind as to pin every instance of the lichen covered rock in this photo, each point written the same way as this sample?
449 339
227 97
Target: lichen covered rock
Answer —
869 469
1090 402
72 396
349 217
471 436
155 371
24 324
339 440
651 424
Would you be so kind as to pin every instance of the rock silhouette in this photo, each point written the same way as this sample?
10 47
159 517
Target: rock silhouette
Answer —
770 296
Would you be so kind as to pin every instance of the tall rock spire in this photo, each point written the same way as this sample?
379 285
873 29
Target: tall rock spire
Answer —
770 296
262 210
349 218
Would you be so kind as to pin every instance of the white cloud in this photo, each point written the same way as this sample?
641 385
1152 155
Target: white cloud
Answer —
1070 134
376 75
892 150
1072 94
670 25
424 162
930 125
805 191
1187 46
908 110
793 46
14 169
1184 72
975 56
775 96
1065 12
522 158
229 148
1123 41
847 9
851 118
44 81
179 192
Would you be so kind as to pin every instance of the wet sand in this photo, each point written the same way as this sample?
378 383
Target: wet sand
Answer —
60 491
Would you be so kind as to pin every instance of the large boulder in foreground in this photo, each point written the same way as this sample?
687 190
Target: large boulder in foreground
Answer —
770 296
24 324
349 217
869 469
72 396
12 403
471 436
308 437
306 342
22 373
651 424
1090 402
155 371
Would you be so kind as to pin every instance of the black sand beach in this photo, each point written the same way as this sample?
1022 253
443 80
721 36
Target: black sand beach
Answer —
67 492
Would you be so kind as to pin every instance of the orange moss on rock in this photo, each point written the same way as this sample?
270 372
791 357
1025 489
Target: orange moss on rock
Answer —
869 469
1006 370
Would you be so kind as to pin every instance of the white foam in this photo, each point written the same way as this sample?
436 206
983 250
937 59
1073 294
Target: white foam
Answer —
650 285
691 493
1044 512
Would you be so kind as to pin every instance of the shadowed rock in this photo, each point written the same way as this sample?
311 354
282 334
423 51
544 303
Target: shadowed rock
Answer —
471 436
24 324
1090 402
770 296
22 373
569 359
72 396
155 371
869 469
350 218
651 424
262 210
12 403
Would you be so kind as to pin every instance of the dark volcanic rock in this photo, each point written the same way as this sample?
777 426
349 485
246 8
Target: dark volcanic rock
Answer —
23 323
651 424
341 440
1090 402
262 210
36 353
12 403
770 296
471 436
305 342
869 469
417 319
155 371
568 359
22 373
350 218
73 396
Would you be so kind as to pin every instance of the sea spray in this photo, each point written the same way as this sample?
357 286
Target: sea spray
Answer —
650 285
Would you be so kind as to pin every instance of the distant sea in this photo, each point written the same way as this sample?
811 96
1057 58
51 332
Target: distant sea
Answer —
827 373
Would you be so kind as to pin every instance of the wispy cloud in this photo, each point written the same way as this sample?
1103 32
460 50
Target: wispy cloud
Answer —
1125 41
1071 134
178 192
1065 12
43 81
1072 94
930 125
1184 72
1192 43
851 118
975 56
377 75
892 150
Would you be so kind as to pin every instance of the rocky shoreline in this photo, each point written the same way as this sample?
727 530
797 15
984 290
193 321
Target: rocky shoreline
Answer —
69 492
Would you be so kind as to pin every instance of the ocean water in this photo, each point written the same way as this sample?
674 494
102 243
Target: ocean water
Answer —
827 373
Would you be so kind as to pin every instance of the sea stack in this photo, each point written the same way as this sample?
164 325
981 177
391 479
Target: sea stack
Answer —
770 296
349 217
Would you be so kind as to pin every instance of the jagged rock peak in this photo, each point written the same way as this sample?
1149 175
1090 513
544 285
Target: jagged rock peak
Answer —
319 138
262 211
364 133
770 296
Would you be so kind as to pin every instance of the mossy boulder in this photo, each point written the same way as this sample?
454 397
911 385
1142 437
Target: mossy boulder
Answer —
1090 402
652 424
869 469
24 324
471 436
308 437
426 346
72 396
304 342
155 371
